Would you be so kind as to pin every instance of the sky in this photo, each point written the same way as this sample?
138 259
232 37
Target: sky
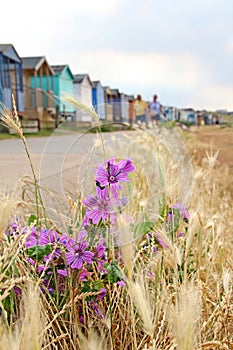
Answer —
178 49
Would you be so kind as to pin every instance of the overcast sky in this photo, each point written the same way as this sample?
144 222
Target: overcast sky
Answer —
182 50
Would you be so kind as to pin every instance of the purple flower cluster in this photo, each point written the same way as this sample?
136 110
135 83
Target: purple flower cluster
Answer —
58 256
61 261
108 178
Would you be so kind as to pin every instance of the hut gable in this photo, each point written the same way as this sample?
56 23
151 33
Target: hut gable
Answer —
63 71
36 64
63 86
9 51
11 77
80 78
83 93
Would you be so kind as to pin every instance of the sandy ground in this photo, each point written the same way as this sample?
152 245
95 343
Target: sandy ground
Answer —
199 141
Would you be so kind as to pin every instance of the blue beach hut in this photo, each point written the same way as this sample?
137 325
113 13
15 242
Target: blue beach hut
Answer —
63 86
11 78
98 99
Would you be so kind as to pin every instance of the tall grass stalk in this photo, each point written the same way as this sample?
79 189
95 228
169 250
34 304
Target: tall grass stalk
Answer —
91 111
11 121
27 333
7 205
184 317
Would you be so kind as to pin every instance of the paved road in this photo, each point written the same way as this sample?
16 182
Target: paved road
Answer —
65 164
60 160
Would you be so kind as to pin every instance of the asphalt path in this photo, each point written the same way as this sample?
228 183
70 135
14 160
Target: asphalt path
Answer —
60 161
65 164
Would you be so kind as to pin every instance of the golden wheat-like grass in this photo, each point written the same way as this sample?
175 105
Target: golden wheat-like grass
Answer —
10 119
27 333
160 307
184 317
8 203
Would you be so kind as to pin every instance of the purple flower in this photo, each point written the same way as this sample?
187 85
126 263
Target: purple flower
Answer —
63 272
37 238
102 293
81 235
121 283
183 211
180 234
100 256
83 275
81 319
63 239
160 241
77 255
112 174
126 166
101 248
98 207
101 266
52 236
95 307
31 261
17 290
151 274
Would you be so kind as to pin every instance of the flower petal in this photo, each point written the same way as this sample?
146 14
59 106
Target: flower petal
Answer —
102 176
77 263
95 216
87 257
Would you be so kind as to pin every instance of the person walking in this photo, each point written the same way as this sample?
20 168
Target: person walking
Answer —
131 110
140 109
156 110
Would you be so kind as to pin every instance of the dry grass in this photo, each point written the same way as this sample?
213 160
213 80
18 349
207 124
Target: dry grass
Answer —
180 298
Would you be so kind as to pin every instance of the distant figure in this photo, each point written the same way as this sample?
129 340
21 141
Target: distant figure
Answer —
140 109
156 110
147 114
132 112
199 119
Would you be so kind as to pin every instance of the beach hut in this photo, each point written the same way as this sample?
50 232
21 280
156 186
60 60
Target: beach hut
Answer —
63 86
108 103
11 78
188 115
124 100
171 113
98 99
39 90
82 87
116 104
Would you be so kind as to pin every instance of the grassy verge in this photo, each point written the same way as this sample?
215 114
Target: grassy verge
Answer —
43 133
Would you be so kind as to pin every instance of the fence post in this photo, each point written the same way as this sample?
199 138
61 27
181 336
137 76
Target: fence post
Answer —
56 116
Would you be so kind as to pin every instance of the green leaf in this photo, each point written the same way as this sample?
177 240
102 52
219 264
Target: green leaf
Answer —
97 285
143 228
115 273
31 220
86 287
39 251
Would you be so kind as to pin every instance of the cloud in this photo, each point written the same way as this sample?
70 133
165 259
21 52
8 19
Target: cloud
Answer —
176 70
180 48
214 97
91 8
